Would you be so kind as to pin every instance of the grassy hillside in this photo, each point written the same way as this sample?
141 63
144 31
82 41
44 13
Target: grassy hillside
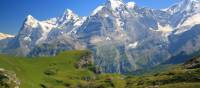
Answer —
62 71
54 72
185 75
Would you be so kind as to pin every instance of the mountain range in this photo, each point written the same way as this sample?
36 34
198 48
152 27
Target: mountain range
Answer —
122 36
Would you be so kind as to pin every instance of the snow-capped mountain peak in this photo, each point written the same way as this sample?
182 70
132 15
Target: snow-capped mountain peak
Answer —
69 15
185 6
31 21
114 4
68 11
130 5
30 17
99 8
185 13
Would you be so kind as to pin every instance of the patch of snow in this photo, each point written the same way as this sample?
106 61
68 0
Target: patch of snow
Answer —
184 5
51 21
133 45
188 23
130 5
119 24
69 12
96 39
165 29
108 38
193 20
106 15
181 30
68 16
114 4
46 27
80 22
27 38
31 21
99 8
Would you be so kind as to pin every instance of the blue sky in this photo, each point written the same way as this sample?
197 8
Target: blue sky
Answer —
13 12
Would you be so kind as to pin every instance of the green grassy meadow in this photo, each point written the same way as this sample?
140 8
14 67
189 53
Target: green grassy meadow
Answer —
61 72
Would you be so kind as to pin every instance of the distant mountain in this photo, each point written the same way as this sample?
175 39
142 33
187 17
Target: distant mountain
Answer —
123 36
4 39
4 36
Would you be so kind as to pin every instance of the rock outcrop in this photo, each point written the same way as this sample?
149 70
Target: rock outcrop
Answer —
8 79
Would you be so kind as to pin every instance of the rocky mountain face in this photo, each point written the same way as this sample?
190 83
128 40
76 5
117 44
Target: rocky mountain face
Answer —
194 63
123 36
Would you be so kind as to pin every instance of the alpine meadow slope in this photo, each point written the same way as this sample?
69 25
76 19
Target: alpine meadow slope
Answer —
74 69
